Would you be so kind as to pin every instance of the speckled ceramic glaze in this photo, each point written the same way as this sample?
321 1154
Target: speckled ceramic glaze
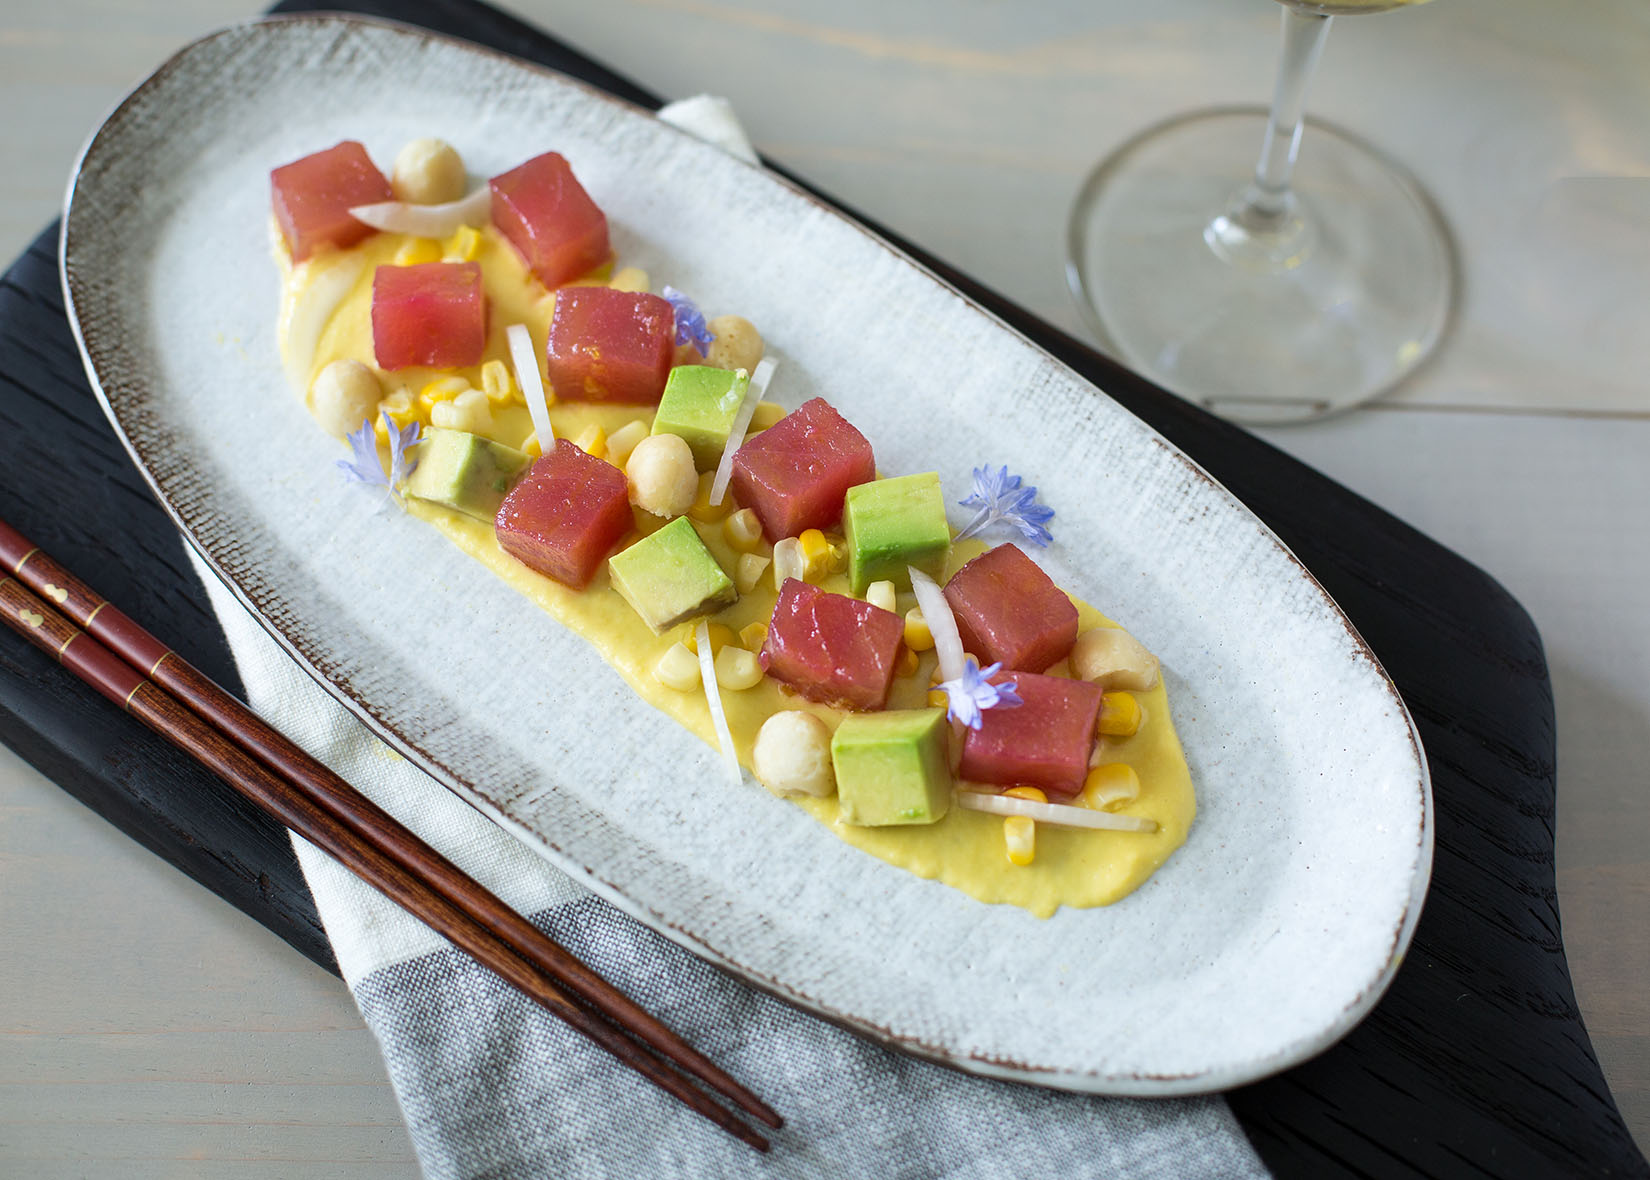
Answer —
1266 937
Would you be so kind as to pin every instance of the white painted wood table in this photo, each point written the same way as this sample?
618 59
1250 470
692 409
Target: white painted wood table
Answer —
146 1029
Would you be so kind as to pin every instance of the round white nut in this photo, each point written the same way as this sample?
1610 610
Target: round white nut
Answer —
793 755
428 172
344 395
1113 659
738 345
661 474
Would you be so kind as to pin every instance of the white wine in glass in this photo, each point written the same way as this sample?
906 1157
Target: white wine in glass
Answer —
1271 291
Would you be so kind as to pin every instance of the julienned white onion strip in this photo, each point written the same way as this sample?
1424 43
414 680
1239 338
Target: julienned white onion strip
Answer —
526 362
713 698
427 221
942 624
1057 814
741 422
305 319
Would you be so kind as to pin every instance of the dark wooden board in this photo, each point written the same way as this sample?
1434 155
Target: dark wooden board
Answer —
1475 1064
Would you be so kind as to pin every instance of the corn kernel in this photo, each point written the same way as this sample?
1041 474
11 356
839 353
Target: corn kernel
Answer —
530 446
938 699
880 594
1020 839
766 414
1110 784
592 440
743 530
788 562
917 635
1030 794
442 389
702 509
906 665
720 636
1120 715
464 245
753 636
418 250
816 555
839 556
749 570
467 412
737 669
497 383
678 668
623 440
630 278
400 407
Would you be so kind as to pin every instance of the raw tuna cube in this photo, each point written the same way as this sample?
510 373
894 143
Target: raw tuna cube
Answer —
432 314
610 346
1010 612
565 515
551 221
832 648
796 473
313 196
1044 742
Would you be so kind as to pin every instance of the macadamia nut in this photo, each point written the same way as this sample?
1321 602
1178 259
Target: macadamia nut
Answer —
344 395
793 755
428 172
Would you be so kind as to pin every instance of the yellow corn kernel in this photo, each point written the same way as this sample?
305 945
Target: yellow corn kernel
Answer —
766 414
530 446
629 278
880 594
702 509
749 570
737 669
938 699
720 636
1120 715
592 440
1110 784
418 250
678 669
816 555
401 408
839 556
463 246
788 562
1030 794
623 440
906 665
917 635
1020 839
743 531
442 389
497 383
753 636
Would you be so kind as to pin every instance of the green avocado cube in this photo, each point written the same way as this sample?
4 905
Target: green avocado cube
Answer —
669 576
893 523
466 472
892 767
699 405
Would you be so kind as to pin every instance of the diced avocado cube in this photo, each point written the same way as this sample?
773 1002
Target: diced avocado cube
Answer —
466 472
699 405
892 767
669 576
893 523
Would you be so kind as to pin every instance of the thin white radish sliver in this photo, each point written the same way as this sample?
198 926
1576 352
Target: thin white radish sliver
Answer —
1057 814
754 390
713 698
307 318
427 221
942 624
526 363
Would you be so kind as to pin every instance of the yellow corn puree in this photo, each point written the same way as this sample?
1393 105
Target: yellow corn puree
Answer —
966 849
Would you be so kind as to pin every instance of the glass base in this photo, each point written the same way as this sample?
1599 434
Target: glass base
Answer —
1330 301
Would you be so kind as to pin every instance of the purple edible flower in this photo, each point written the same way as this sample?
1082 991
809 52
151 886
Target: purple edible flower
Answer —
1000 497
972 693
363 466
690 321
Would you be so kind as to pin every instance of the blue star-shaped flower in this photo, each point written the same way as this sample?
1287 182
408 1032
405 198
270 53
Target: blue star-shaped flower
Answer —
363 465
971 693
690 321
1000 497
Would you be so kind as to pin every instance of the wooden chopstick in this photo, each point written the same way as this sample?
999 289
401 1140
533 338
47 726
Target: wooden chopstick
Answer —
126 664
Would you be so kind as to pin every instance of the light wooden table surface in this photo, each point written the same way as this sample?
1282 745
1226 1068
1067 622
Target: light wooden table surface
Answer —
148 1030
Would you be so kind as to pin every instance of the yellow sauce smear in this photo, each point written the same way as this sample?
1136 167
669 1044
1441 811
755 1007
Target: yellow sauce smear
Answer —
965 850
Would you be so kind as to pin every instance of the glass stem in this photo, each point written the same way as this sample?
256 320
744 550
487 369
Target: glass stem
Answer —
1269 203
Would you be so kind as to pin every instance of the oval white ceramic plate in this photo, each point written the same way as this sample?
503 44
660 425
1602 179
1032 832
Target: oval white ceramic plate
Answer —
1266 937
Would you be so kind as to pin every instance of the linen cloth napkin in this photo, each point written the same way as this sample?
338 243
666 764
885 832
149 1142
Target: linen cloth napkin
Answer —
493 1086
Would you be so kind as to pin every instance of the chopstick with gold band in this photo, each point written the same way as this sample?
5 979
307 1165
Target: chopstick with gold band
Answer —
332 815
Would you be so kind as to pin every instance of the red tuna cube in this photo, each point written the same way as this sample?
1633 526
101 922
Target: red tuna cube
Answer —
1010 612
313 197
610 346
565 515
832 648
1044 742
551 221
433 314
795 474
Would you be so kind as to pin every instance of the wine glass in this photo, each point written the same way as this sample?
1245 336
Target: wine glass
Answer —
1274 295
